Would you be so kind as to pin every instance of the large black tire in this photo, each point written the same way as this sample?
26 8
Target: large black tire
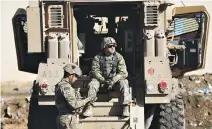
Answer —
171 115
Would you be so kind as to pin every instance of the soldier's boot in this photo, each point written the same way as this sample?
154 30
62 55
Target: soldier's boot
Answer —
126 112
125 98
88 111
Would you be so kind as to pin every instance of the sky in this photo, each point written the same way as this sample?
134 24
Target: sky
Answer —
9 69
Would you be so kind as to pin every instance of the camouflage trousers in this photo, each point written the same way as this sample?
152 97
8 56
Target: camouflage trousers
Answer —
68 121
121 85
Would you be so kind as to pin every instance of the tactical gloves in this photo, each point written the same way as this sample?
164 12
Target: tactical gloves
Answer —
109 84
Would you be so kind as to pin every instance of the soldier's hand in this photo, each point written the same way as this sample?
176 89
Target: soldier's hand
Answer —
109 84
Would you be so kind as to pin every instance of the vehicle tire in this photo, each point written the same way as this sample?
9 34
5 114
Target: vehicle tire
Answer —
171 115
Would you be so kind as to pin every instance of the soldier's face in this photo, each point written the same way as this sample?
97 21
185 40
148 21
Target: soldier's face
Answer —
110 49
72 78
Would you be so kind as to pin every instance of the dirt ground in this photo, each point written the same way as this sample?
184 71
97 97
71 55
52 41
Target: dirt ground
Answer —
198 104
16 117
14 96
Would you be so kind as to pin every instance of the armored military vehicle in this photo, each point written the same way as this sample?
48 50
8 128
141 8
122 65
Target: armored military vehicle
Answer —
159 42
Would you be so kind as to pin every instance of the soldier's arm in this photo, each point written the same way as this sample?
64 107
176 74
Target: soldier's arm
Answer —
95 70
69 94
121 70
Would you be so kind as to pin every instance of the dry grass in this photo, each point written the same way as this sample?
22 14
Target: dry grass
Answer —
16 83
15 87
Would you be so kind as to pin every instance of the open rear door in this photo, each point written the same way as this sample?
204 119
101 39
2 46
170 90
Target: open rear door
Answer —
188 39
27 62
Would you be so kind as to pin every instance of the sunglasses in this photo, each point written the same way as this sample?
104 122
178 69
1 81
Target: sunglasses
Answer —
110 46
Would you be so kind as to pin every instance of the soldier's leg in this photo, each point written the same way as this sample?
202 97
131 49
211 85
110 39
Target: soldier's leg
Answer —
125 95
63 122
125 91
93 89
74 122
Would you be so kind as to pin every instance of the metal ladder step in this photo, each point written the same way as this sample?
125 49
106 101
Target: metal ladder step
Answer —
105 119
107 109
106 104
104 123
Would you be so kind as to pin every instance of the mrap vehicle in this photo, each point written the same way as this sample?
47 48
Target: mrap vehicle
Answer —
159 43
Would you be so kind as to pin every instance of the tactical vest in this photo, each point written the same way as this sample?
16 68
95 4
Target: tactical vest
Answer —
104 65
61 103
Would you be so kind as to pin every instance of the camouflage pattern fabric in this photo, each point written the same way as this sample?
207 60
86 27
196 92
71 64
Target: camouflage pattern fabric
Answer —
68 105
118 80
122 85
72 69
97 67
67 122
107 41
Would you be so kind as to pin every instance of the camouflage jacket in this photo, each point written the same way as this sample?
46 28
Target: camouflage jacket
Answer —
66 98
97 67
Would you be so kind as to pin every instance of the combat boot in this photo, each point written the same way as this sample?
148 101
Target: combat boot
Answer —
126 112
88 111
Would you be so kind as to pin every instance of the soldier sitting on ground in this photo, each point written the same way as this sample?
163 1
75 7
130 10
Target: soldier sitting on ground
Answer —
66 98
109 70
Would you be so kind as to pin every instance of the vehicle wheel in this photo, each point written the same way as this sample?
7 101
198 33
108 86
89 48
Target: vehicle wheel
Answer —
171 115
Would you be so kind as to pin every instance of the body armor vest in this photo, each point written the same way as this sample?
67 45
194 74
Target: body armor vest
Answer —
105 66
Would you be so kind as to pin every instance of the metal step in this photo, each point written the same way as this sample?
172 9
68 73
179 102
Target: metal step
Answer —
103 96
105 119
104 123
108 97
107 109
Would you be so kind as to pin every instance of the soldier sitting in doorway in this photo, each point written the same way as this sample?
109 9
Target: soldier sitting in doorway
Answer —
109 70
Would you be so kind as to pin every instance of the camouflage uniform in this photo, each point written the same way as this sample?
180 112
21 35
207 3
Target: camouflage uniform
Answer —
102 71
67 101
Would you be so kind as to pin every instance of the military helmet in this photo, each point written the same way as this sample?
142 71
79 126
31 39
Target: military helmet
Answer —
72 69
107 41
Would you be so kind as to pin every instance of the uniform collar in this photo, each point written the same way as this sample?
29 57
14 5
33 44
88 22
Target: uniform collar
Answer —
66 80
104 54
